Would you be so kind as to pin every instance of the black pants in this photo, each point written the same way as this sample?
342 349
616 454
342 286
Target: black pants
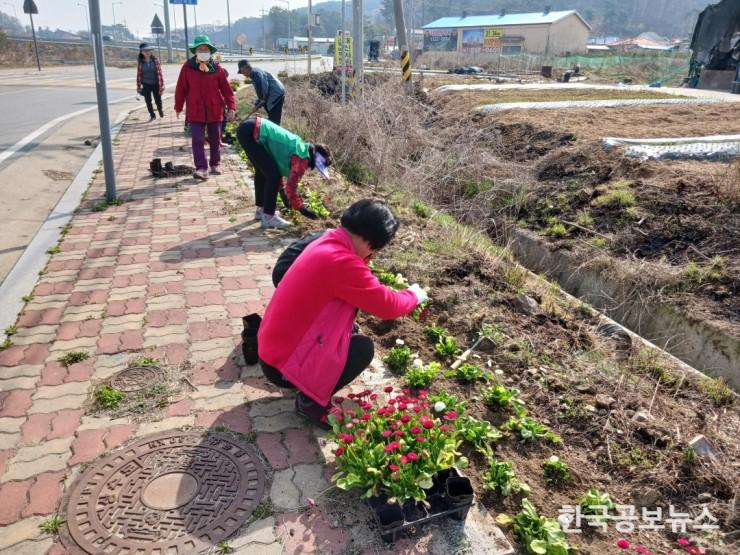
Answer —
266 173
148 91
361 352
276 113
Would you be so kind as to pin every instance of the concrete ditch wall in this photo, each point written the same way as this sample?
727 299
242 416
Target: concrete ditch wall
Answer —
698 343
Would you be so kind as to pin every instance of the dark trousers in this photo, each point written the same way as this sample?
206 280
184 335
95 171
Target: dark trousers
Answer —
148 91
275 114
266 173
361 352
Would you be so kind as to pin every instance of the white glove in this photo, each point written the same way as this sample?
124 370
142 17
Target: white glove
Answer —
421 295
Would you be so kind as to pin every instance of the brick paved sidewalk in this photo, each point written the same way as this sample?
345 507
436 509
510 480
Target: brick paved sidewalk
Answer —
168 274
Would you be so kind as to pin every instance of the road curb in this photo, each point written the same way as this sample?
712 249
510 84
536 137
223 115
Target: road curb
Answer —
23 276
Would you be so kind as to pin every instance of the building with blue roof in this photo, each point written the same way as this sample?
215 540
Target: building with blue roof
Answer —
546 32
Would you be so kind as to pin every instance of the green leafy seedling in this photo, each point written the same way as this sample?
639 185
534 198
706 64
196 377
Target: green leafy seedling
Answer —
11 330
479 433
398 359
555 470
422 376
435 333
499 395
470 373
530 429
450 402
446 346
539 534
73 358
52 525
594 502
500 478
108 397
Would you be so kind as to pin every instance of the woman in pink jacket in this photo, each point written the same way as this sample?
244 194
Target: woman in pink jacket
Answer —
306 337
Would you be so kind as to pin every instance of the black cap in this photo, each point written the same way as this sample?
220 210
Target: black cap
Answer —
145 46
242 63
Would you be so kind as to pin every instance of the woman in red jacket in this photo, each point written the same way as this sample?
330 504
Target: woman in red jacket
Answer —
204 88
306 339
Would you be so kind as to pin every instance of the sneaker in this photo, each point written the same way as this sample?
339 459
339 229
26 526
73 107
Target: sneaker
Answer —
215 170
258 213
274 222
152 117
202 175
312 411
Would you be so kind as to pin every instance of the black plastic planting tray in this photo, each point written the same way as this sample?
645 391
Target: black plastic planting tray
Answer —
450 496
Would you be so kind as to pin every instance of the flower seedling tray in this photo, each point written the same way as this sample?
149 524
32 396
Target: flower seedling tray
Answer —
450 496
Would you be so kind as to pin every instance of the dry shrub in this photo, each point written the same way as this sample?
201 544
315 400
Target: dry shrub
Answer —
727 183
403 143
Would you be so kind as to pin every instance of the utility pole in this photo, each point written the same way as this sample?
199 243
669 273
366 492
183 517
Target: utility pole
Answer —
228 24
357 39
167 31
105 138
263 13
343 54
403 47
310 24
195 17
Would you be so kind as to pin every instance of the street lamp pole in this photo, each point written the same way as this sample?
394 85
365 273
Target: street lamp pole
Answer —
228 25
290 36
87 17
109 169
113 4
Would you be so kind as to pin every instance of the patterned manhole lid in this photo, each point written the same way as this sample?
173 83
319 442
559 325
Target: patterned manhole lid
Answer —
174 493
136 378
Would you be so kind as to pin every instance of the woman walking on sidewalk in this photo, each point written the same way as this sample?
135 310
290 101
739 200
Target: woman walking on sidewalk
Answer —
149 80
204 88
276 153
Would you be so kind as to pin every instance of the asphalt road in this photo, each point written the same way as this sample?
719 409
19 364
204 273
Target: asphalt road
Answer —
46 118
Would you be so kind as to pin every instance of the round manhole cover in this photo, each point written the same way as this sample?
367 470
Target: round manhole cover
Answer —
174 493
136 378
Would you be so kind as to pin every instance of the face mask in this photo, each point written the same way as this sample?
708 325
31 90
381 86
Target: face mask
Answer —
203 56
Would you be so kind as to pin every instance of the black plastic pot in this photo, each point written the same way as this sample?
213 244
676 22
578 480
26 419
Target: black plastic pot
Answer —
249 338
451 495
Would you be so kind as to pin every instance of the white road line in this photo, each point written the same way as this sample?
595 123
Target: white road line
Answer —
15 92
44 128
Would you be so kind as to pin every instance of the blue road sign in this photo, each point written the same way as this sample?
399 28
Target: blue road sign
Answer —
186 2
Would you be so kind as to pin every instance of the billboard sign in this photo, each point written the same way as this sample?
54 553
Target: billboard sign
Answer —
343 42
492 38
440 40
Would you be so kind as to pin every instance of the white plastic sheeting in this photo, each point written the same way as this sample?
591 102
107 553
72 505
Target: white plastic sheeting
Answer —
569 104
714 147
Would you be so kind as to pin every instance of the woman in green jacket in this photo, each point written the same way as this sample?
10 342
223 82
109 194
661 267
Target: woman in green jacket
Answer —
276 153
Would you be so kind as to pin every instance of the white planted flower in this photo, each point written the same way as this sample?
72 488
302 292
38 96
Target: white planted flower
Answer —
400 342
439 406
417 363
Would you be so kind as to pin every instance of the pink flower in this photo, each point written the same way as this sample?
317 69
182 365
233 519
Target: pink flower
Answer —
388 389
407 391
391 401
421 439
398 433
394 467
355 421
417 409
423 393
382 411
350 396
352 412
338 400
365 417
623 544
412 456
683 541
428 424
373 396
349 425
339 451
404 459
405 418
450 416
347 438
386 433
390 410
641 549
402 406
693 550
444 428
416 430
392 446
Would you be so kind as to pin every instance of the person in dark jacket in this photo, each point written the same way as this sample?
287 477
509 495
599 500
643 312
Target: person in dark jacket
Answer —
204 88
276 153
270 91
149 79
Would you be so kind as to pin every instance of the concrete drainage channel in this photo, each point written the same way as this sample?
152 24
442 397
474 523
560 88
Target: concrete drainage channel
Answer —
715 147
700 344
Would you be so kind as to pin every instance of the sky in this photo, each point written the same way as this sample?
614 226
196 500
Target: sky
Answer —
138 14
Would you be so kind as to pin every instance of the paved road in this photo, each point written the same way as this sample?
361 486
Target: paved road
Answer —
37 109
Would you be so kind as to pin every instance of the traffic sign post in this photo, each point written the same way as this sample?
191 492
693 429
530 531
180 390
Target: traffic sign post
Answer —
185 4
157 29
29 7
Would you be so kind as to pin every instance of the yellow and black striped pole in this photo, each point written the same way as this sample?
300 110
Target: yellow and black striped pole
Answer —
406 69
